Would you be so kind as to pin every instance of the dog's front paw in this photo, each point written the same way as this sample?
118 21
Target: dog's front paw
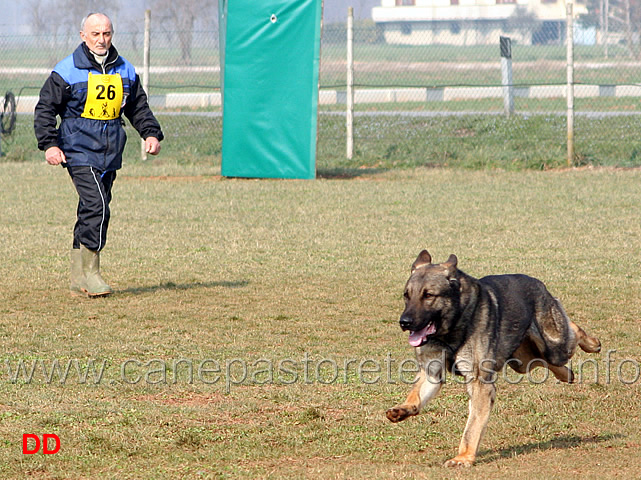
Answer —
400 413
459 461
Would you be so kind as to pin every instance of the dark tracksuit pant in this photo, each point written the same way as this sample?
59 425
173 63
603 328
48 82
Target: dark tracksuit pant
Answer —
94 196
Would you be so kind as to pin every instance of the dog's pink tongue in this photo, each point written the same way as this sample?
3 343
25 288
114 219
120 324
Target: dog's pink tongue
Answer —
417 338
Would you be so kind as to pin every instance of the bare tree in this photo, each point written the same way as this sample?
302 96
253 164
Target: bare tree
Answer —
183 17
134 27
64 16
58 22
39 17
45 21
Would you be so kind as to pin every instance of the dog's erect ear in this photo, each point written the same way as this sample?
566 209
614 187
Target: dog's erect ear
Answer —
452 261
450 265
424 258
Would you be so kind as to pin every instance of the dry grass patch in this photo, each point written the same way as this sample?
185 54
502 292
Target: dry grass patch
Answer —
223 275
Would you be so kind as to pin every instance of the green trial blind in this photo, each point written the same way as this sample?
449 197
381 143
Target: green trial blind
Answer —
269 71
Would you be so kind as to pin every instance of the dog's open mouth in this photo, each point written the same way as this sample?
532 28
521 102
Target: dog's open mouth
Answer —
420 337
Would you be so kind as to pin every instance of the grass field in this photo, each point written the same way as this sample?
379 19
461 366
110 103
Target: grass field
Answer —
384 140
253 332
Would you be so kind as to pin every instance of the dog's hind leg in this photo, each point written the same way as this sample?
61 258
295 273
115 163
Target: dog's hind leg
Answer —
524 360
425 388
564 374
586 342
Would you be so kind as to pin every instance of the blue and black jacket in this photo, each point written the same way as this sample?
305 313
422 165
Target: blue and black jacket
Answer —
86 141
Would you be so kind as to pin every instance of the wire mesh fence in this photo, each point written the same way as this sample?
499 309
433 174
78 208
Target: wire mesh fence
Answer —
399 84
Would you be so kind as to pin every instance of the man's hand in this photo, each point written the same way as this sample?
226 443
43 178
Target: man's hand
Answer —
152 145
55 156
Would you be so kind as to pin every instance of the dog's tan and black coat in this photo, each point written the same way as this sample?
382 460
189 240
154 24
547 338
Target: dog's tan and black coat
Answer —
474 327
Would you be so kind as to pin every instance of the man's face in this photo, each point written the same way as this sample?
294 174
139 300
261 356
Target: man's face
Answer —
97 34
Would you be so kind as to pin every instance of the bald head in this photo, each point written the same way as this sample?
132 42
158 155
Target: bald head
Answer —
96 31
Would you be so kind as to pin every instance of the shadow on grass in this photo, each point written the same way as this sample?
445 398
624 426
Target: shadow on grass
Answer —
348 173
559 443
184 286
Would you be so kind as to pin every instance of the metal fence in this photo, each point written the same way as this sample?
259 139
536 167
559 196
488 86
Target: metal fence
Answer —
392 76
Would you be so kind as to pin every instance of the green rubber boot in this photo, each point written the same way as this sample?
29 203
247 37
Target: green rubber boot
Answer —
95 285
78 281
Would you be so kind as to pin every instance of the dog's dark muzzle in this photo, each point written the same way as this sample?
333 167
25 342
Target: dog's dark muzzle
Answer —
406 323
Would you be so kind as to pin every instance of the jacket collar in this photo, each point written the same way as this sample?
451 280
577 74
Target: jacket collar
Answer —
83 58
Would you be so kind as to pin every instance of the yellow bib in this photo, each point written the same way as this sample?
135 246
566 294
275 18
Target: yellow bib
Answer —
104 97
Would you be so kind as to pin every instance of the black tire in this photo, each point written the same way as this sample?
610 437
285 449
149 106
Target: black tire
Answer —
8 114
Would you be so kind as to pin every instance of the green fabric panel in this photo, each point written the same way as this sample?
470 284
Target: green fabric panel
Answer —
270 87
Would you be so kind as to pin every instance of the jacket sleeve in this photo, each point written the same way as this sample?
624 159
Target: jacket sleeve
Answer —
140 115
53 98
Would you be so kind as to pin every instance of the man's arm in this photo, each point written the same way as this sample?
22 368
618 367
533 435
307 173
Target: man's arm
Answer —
142 118
53 97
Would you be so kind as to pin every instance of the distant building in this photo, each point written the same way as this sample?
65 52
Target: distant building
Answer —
472 22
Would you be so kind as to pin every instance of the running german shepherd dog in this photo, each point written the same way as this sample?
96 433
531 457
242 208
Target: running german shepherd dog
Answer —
474 327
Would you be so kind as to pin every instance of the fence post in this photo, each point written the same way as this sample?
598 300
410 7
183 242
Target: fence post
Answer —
349 122
145 72
506 75
570 82
606 21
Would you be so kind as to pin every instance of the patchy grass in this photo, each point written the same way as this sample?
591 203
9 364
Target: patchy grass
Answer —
253 332
392 141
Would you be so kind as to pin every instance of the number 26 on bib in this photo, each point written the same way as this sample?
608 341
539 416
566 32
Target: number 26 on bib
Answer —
104 97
